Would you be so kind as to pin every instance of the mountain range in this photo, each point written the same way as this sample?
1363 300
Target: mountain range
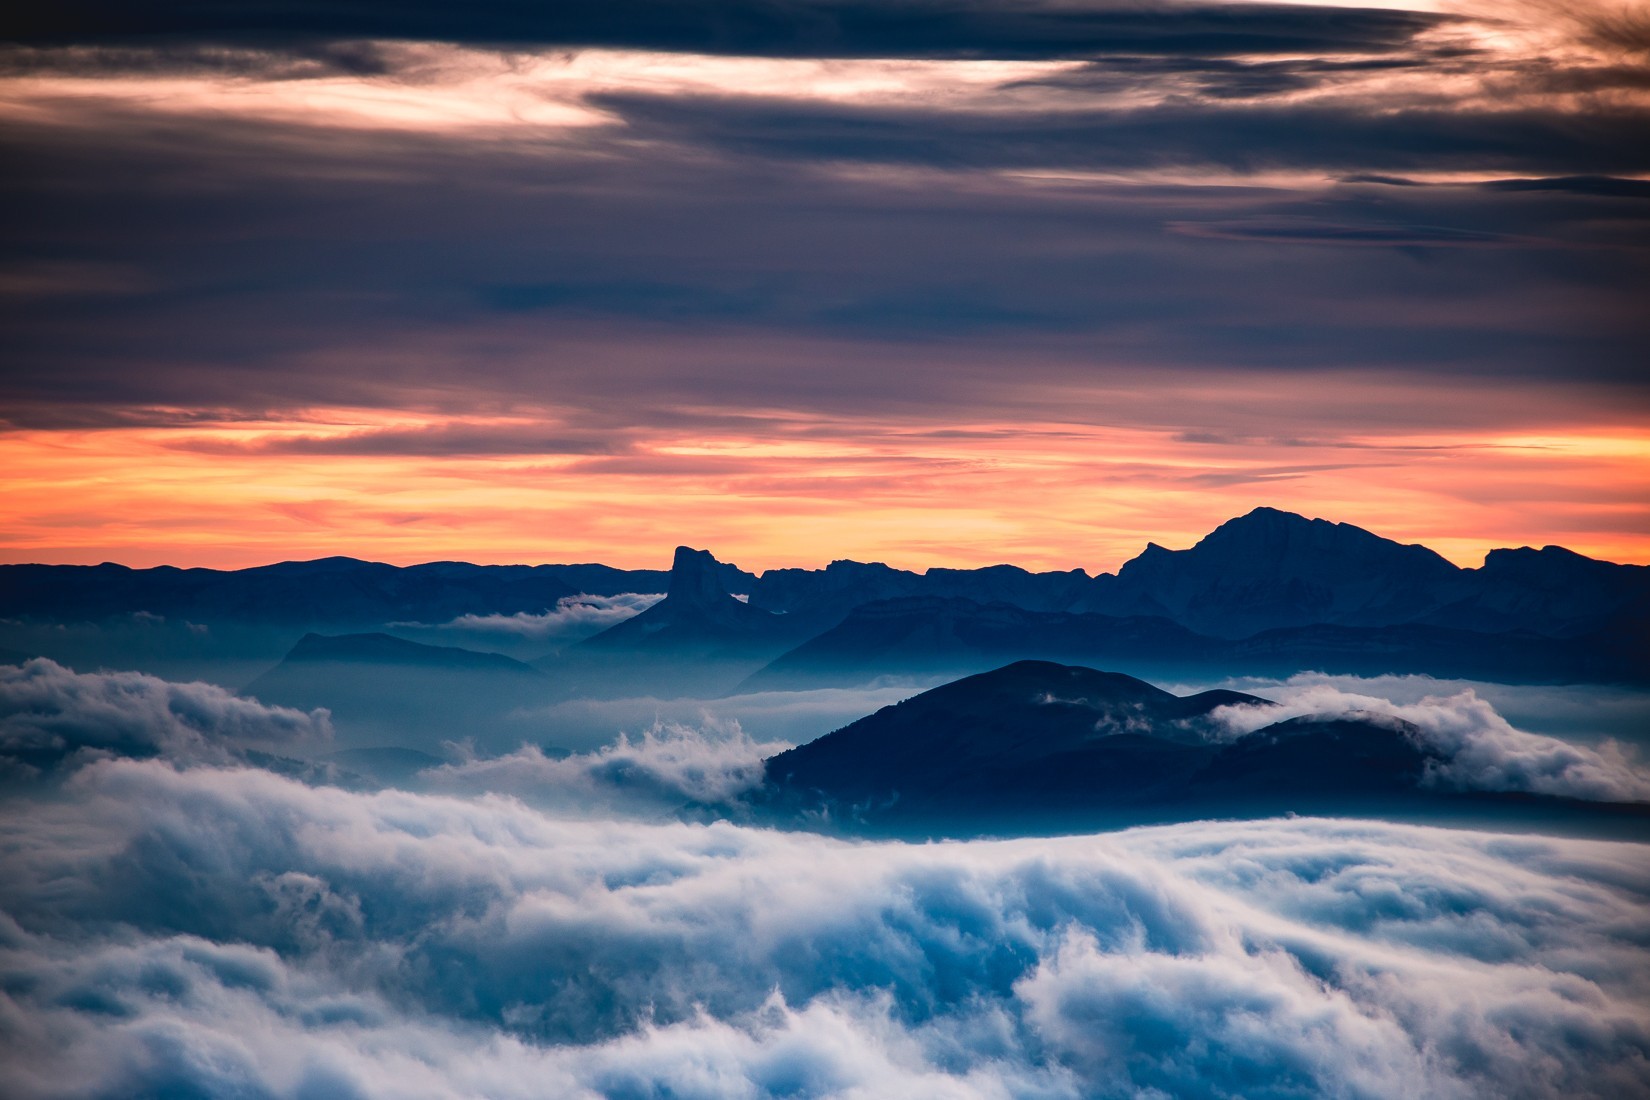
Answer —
1267 592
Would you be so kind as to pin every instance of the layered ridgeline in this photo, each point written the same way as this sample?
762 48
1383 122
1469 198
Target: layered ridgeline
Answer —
1037 746
1267 593
228 626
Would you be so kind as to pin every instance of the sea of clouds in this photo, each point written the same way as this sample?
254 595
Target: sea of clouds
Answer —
178 921
1479 748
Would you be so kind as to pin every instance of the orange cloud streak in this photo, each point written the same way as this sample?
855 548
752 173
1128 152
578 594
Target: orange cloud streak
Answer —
1045 495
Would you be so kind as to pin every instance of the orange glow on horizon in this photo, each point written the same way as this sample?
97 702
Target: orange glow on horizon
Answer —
1043 496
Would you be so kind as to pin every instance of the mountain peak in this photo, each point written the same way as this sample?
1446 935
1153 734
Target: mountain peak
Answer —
1273 568
1273 525
694 580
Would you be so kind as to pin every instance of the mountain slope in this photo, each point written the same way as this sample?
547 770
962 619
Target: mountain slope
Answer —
1037 746
1271 569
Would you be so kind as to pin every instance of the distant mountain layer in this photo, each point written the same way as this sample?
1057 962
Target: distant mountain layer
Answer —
328 591
1268 591
926 637
1037 745
1269 570
1263 571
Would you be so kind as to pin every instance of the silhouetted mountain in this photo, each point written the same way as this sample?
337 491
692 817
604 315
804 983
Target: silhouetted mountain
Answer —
697 618
226 626
955 740
1267 592
1519 656
328 591
1272 569
1037 746
699 639
1551 591
825 593
1269 570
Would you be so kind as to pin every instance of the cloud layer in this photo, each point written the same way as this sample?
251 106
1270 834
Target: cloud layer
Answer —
572 619
179 922
1480 749
215 931
51 716
660 770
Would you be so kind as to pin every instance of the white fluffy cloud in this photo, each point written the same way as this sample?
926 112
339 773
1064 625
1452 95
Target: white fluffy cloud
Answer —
231 932
789 716
660 769
572 618
1480 749
49 713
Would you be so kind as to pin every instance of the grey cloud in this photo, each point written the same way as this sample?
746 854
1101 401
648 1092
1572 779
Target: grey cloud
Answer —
1333 137
788 28
288 941
296 62
704 253
448 439
1608 186
50 714
1224 78
831 286
1308 231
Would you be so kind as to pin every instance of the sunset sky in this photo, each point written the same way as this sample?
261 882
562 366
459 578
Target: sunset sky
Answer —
933 282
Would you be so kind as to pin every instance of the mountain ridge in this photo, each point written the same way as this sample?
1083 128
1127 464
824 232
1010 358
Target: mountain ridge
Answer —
1348 594
1038 746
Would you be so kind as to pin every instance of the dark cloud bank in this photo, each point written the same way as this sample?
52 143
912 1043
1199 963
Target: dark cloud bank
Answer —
834 28
801 252
178 923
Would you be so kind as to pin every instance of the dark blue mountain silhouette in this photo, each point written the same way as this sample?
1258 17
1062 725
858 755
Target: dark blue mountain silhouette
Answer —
1038 746
332 592
1267 591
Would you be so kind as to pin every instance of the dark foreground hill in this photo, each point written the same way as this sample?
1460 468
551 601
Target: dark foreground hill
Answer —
1040 747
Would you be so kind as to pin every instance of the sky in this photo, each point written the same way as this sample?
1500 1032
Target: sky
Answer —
933 282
